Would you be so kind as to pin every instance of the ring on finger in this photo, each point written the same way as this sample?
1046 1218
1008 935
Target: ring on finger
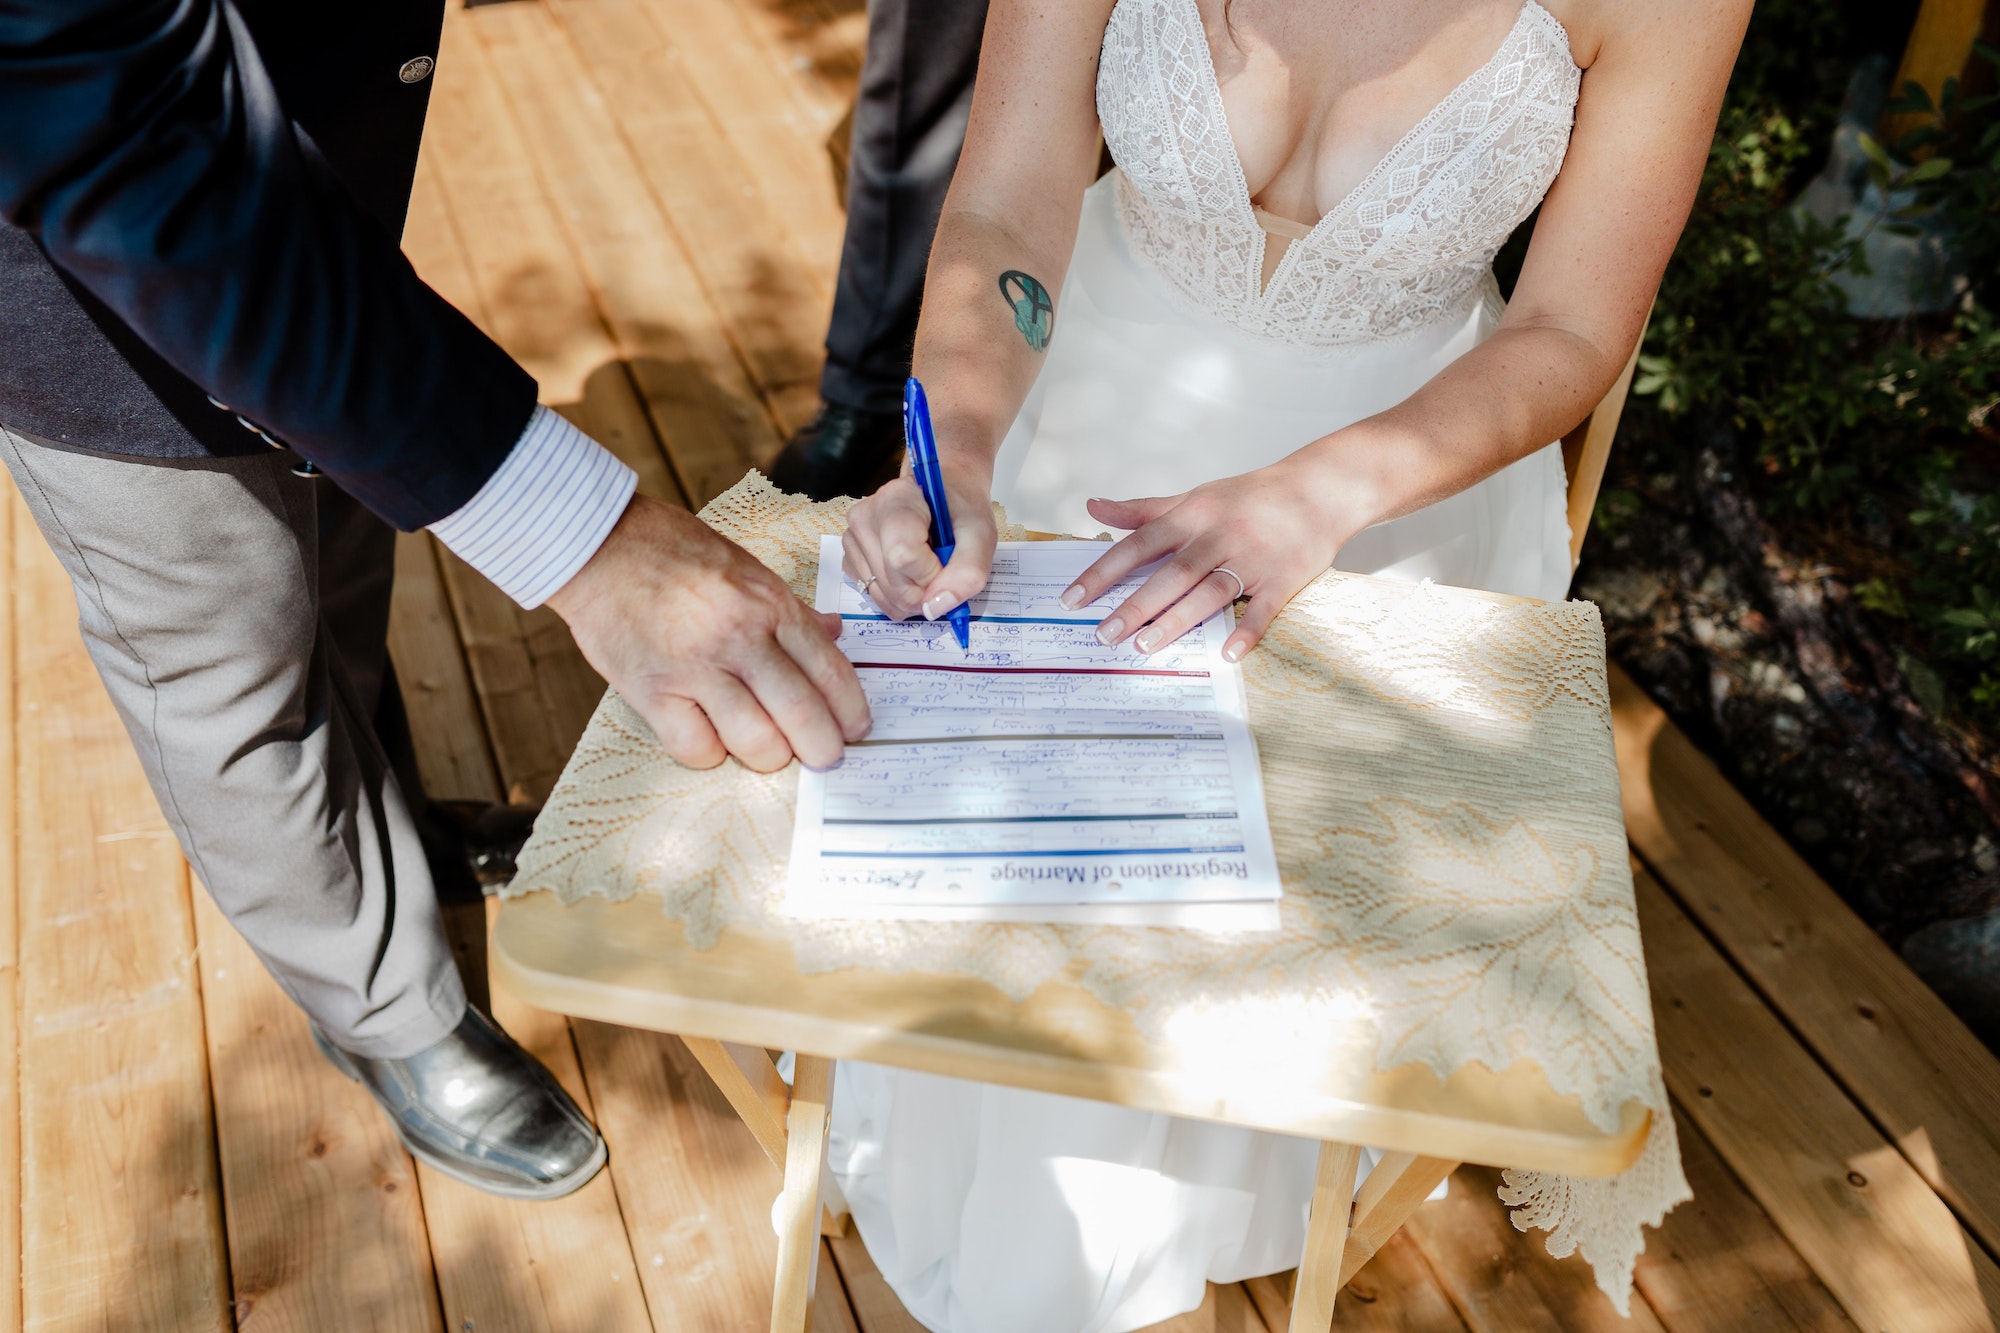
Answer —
1224 569
868 582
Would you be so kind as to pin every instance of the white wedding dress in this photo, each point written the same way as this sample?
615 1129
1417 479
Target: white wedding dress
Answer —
993 1210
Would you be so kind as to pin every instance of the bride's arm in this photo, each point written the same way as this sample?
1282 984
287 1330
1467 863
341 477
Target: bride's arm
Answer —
1644 119
992 293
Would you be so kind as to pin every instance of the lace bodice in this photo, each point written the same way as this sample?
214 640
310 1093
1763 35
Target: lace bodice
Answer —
1412 243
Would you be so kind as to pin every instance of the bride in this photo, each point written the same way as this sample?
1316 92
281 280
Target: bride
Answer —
1274 330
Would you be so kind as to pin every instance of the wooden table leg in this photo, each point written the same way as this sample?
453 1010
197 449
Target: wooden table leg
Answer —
748 1079
1399 1182
1318 1281
833 1215
798 1214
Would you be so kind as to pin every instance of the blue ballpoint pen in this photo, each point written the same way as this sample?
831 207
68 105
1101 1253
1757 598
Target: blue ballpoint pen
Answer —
922 444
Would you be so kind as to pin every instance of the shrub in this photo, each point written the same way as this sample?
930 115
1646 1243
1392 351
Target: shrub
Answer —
1872 439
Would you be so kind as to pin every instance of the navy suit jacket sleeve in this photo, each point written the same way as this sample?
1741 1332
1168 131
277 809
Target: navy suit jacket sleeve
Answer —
143 143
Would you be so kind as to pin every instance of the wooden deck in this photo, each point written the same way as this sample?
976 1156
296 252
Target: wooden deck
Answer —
634 197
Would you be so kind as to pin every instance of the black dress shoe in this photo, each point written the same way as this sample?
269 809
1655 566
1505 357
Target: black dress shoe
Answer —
490 833
842 451
482 1110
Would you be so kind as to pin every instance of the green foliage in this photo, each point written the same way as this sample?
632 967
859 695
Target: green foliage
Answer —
1847 426
1961 178
1953 588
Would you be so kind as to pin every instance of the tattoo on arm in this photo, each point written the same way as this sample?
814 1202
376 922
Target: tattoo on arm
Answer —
1034 310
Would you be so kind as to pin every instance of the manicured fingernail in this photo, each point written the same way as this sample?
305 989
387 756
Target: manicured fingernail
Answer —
1147 641
1072 597
938 605
1233 651
1109 631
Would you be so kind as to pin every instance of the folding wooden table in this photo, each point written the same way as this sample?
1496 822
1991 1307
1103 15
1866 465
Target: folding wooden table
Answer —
631 962
628 962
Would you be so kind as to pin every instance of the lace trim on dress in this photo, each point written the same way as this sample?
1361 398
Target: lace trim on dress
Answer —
1433 910
1401 251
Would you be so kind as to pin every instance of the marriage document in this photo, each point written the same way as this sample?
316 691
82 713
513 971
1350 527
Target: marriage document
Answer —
1039 775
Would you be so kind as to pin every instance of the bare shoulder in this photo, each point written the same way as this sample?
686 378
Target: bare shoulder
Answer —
1034 105
1632 33
1048 27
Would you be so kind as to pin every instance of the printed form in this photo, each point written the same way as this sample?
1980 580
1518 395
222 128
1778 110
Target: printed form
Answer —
1039 776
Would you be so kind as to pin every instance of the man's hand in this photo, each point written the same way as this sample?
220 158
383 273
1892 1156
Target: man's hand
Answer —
713 650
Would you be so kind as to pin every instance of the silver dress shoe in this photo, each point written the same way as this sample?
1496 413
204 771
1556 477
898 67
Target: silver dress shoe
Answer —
482 1110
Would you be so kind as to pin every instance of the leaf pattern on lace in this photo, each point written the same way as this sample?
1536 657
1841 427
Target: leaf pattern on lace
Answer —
1437 905
1504 659
1410 245
1504 926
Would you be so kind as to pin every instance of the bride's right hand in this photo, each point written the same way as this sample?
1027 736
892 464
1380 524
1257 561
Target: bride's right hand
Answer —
887 549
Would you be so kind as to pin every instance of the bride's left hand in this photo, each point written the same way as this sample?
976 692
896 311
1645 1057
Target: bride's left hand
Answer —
1268 527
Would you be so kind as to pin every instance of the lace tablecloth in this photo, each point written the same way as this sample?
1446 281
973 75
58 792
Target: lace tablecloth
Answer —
1456 877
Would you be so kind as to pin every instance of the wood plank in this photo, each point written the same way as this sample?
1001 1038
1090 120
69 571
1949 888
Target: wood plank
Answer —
818 43
535 689
877 1308
1895 1048
1718 1264
489 235
565 1264
10 951
326 1229
770 116
1500 1279
772 302
488 238
570 688
704 405
561 1266
535 302
831 1312
695 1188
121 1211
1395 1292
1856 1210
430 233
446 730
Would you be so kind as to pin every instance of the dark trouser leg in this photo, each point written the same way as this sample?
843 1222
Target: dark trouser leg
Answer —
909 123
198 589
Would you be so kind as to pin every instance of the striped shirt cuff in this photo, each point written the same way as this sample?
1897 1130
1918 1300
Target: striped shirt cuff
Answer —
541 517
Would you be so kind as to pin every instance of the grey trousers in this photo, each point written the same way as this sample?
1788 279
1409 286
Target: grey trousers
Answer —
909 123
238 616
